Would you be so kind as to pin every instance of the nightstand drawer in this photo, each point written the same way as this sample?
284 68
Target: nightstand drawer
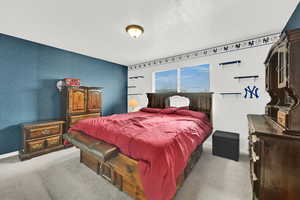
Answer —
53 141
34 146
43 131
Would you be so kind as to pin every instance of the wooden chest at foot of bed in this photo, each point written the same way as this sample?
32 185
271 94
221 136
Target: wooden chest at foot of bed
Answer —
122 171
117 168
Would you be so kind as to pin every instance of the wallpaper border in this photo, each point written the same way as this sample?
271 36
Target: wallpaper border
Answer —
235 46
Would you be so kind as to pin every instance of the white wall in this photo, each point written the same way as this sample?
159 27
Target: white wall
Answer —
230 111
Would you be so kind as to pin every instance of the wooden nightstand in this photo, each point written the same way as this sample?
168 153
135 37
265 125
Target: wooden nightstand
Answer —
40 138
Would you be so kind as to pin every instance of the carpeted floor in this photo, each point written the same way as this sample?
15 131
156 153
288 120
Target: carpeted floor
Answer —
60 176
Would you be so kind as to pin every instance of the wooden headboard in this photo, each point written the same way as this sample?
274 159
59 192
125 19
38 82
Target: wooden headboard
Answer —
201 102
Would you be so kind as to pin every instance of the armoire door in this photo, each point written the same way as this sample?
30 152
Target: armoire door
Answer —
77 100
94 101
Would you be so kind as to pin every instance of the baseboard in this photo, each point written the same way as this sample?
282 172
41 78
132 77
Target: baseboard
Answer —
11 154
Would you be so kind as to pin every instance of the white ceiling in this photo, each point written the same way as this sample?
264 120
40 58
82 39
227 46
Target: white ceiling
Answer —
96 27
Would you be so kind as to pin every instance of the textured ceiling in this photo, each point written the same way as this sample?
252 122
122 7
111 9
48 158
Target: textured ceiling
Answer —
97 27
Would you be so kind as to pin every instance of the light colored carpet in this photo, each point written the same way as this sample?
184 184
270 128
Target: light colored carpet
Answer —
60 176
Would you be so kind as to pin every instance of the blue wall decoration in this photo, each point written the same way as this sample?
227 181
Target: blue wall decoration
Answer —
29 72
251 92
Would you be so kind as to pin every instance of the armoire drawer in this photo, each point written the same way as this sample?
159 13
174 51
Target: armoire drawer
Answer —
73 119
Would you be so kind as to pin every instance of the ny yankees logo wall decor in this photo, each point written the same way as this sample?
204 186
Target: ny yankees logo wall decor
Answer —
251 92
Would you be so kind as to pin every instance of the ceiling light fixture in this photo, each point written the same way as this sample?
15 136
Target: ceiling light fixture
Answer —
134 31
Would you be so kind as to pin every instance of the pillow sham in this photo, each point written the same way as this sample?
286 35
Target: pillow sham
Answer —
199 115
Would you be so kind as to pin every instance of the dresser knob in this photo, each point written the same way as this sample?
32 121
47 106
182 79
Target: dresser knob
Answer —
255 139
253 155
45 132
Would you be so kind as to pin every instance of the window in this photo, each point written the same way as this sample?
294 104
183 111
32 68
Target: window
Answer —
166 81
186 79
194 79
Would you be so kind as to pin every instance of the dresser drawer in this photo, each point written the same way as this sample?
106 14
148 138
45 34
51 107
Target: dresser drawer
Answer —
43 131
34 146
53 141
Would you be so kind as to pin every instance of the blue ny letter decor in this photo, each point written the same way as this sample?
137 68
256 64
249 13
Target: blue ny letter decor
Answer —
252 92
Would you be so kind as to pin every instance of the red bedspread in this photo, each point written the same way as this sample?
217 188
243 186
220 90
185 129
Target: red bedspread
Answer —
161 143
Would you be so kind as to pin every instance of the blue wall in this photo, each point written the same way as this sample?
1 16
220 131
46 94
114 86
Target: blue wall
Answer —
294 21
28 76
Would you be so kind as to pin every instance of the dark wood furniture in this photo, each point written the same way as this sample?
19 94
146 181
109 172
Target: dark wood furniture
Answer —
226 144
283 82
274 161
117 168
121 170
274 139
201 102
41 138
80 103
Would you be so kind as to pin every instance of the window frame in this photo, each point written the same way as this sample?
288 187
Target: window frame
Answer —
178 69
164 70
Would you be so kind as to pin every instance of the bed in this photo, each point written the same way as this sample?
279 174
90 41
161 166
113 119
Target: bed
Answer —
147 154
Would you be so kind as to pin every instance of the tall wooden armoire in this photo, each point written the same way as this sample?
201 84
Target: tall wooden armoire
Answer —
80 103
274 138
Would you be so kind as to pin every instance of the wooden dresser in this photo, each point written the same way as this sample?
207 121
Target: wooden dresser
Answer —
274 161
274 138
283 82
40 138
80 103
